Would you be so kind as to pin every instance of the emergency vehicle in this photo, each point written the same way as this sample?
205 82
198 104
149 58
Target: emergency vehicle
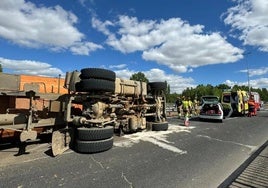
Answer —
257 100
235 103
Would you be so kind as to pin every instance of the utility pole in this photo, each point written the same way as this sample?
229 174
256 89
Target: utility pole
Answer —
247 53
248 79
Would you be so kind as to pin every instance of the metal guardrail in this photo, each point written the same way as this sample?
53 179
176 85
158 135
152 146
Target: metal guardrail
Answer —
171 107
252 173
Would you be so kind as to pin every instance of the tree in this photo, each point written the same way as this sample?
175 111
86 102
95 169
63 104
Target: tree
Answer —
169 97
139 77
208 89
223 87
264 94
1 70
168 88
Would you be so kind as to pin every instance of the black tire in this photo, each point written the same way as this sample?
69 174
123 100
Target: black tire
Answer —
157 85
97 73
78 87
94 133
88 85
96 146
162 126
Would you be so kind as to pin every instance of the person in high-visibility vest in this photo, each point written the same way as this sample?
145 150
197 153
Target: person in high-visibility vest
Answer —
191 106
185 108
196 104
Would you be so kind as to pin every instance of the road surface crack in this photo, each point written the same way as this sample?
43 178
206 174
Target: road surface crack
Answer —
125 178
99 163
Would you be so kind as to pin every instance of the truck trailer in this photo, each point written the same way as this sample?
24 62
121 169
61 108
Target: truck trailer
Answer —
84 113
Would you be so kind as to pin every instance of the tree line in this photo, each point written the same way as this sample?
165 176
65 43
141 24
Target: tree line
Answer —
202 90
208 89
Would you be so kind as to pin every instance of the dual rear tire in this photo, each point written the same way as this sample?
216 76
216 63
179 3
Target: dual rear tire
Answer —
93 140
96 79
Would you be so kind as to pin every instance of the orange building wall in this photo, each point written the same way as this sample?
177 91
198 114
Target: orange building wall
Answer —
46 84
51 85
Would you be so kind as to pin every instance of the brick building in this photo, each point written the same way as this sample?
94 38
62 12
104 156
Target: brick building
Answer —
13 90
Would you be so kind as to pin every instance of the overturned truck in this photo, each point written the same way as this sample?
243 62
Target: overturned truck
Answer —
95 107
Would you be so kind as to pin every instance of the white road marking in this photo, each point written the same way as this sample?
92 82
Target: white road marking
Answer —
158 138
227 141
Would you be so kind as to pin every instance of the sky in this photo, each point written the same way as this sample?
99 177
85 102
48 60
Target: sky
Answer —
184 42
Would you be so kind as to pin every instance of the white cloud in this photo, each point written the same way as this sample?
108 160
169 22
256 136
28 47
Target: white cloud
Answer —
177 83
173 42
101 26
30 67
84 48
230 83
254 83
25 24
250 18
120 66
256 72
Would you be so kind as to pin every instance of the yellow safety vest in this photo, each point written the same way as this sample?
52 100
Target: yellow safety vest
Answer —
185 105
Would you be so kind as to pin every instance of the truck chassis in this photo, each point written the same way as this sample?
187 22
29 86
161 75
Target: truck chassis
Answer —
97 106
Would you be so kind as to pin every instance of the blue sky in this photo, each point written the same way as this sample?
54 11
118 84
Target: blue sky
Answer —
183 42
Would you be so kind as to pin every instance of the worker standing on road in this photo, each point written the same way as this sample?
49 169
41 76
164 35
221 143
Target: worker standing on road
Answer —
178 104
191 107
251 104
196 104
185 108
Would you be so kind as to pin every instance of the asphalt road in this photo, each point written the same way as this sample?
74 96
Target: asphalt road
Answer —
202 155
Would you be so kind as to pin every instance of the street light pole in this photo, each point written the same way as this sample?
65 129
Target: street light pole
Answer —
247 53
248 79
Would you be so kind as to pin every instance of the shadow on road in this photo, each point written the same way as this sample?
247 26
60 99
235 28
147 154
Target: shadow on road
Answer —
22 146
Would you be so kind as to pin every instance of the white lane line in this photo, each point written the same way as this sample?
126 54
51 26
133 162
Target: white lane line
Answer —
227 141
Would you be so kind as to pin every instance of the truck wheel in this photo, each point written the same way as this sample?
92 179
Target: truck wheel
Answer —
93 146
97 73
87 85
163 126
157 85
94 133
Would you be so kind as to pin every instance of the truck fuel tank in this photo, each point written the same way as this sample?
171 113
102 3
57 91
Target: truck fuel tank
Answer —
130 87
12 119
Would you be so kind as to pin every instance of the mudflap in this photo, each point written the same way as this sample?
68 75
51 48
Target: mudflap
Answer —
61 140
26 135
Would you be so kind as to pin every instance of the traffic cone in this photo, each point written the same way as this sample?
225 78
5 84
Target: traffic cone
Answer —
186 121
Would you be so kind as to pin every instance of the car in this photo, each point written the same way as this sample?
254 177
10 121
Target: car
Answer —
211 109
209 98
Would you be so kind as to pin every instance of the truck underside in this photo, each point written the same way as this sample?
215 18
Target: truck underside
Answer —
96 105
